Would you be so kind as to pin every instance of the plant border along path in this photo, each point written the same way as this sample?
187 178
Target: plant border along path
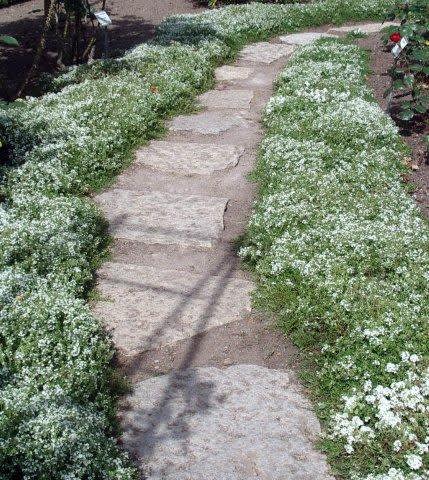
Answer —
56 392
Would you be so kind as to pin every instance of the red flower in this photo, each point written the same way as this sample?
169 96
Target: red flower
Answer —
395 37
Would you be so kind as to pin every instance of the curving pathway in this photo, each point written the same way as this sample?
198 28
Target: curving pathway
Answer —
215 394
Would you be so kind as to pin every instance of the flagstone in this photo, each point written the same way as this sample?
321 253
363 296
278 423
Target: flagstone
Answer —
304 38
164 218
229 72
189 158
244 422
264 52
238 99
146 307
207 123
363 27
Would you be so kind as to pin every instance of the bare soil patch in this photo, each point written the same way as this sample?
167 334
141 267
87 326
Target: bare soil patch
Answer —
253 341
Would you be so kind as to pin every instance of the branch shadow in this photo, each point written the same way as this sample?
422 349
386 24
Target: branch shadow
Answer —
16 61
128 32
185 394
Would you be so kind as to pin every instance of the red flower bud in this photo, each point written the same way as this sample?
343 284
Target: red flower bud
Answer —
395 37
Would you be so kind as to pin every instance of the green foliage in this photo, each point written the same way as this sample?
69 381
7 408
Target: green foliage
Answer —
5 3
333 243
216 3
9 41
410 73
55 395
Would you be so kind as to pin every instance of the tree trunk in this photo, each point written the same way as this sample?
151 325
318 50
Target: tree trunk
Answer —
47 4
47 8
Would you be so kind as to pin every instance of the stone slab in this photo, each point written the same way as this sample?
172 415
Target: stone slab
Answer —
229 72
206 123
238 99
304 38
147 307
261 79
159 218
189 158
265 52
363 27
244 422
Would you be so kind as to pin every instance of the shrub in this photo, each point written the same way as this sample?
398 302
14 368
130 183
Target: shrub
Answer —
46 435
410 72
54 394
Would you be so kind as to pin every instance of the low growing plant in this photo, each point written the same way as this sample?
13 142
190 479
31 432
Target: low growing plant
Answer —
333 243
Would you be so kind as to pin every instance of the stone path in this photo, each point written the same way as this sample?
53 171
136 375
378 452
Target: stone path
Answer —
215 395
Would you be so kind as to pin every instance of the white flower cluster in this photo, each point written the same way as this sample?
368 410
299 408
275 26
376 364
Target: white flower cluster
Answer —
55 408
54 237
342 254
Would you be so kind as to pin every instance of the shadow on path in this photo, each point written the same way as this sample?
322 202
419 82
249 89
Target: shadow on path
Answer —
145 430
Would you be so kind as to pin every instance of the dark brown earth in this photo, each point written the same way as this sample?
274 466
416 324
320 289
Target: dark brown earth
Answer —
413 134
254 341
134 22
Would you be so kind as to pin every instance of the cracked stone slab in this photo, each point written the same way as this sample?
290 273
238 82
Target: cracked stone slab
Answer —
363 27
164 218
264 52
244 422
189 158
238 99
229 72
304 38
207 123
147 308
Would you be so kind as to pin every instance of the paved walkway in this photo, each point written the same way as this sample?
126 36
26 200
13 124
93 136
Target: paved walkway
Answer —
215 395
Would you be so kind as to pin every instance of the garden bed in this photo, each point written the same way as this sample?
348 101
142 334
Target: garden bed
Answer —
379 80
56 393
341 253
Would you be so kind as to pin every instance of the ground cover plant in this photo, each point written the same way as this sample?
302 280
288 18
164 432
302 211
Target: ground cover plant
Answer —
333 242
55 391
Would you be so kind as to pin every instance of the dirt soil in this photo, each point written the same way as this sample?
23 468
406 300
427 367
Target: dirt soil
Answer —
134 22
253 341
379 80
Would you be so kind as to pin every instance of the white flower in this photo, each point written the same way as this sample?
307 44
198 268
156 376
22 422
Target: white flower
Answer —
405 356
349 448
392 368
414 461
414 358
397 444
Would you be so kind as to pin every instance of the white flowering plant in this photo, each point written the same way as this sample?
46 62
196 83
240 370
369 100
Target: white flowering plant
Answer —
52 237
57 406
333 242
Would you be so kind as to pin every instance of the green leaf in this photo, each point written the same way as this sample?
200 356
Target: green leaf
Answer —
409 80
421 54
420 108
406 115
398 84
416 68
9 41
